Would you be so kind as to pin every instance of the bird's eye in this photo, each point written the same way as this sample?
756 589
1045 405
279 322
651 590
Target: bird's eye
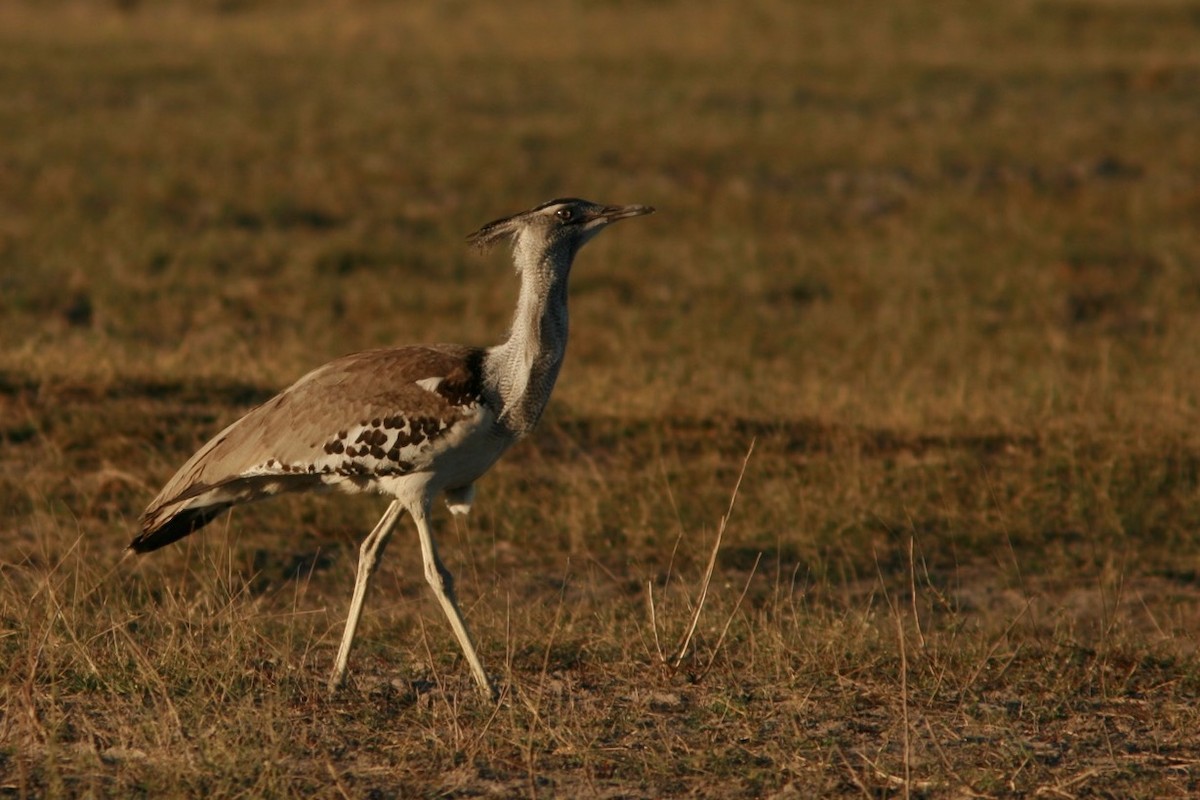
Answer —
564 214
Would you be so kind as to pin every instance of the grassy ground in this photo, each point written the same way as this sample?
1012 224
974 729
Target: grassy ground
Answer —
938 261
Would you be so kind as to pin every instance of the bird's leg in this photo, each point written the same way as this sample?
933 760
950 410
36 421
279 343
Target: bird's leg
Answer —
443 586
368 560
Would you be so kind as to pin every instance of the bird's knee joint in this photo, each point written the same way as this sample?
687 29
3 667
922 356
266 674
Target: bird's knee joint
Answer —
368 559
440 579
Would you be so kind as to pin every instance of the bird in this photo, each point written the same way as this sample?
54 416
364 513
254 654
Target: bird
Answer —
410 422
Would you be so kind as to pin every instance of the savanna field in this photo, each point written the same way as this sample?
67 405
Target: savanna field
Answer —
916 329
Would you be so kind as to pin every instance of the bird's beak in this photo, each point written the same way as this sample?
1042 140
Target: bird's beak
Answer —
614 213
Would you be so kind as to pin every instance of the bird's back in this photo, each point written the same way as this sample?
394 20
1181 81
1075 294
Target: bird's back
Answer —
353 423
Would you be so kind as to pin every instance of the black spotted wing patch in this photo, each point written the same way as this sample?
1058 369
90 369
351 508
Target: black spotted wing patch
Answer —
374 414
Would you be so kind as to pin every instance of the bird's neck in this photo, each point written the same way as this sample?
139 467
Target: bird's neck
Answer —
523 369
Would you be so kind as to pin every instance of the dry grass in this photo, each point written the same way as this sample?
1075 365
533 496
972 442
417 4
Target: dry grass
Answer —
937 260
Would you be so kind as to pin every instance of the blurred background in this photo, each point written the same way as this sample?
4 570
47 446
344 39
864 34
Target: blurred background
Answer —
903 214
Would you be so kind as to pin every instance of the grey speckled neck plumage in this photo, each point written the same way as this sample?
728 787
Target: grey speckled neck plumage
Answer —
523 369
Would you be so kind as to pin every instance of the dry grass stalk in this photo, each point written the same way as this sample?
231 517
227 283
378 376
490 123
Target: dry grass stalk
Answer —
674 661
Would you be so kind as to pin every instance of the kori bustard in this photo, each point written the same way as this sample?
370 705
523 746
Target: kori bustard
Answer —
408 422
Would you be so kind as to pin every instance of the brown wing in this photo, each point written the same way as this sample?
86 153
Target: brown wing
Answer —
374 413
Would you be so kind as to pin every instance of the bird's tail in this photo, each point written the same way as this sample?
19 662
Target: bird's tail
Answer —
169 520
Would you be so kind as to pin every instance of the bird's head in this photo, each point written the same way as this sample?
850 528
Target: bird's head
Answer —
562 225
